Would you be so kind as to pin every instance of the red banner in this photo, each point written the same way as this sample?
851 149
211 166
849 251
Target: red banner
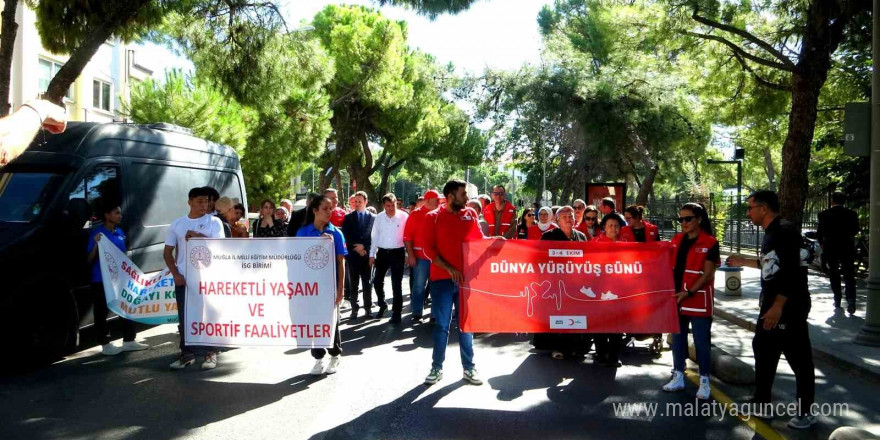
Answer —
522 286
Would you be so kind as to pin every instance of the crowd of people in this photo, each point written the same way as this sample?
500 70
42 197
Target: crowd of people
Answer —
428 236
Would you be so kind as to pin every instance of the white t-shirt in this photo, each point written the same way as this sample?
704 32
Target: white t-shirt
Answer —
207 224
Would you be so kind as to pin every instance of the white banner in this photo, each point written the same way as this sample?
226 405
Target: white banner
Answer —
132 294
258 292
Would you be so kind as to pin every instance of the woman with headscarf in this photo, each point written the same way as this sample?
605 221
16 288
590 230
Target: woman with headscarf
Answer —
222 206
563 344
544 224
526 220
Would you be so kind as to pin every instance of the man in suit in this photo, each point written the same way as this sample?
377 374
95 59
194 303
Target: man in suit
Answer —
356 227
838 227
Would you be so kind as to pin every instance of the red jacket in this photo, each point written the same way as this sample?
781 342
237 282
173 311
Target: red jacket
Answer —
336 217
651 232
535 232
601 238
703 300
508 216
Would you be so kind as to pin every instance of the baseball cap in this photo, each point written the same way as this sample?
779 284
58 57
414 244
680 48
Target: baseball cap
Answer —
431 194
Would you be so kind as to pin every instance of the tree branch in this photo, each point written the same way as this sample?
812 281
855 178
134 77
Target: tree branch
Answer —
789 65
758 78
738 50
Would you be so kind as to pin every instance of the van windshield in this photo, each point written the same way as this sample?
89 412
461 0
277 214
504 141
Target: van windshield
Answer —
24 196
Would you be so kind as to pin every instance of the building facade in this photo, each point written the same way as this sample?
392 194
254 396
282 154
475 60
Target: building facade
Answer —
97 94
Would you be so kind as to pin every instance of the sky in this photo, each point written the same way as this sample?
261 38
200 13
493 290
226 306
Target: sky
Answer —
501 34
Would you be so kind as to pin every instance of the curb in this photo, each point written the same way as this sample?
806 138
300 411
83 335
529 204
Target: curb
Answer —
839 361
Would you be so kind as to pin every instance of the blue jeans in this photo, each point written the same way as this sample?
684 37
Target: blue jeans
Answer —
702 327
418 282
445 294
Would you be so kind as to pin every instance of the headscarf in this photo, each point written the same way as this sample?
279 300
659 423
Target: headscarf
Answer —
286 213
544 226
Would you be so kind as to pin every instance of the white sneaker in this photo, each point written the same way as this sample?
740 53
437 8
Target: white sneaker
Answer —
705 390
333 365
472 377
134 346
182 361
110 350
318 369
609 295
210 361
802 422
434 376
588 291
677 382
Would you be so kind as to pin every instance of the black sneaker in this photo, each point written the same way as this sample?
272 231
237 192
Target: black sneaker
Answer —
382 309
395 319
851 309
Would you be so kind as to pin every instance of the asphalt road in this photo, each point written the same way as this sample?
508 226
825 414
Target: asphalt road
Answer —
378 394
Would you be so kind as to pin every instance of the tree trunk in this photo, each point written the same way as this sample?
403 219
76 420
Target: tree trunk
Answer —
81 56
824 31
647 186
769 169
8 31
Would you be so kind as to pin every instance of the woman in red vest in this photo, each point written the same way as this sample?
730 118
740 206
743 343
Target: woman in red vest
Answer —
543 224
608 345
697 254
637 228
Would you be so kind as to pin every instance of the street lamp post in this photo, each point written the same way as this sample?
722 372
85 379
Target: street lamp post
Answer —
869 334
739 184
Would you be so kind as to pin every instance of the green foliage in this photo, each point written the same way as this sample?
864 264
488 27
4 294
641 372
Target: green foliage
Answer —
189 102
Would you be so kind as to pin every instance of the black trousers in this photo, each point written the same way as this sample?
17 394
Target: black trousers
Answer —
608 346
100 312
841 258
357 270
336 350
793 340
394 259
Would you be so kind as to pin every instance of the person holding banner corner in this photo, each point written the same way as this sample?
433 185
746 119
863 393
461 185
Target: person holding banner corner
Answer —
111 213
445 230
697 254
318 224
608 345
197 223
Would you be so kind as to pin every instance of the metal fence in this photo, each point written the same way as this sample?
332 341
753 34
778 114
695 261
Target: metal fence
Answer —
742 236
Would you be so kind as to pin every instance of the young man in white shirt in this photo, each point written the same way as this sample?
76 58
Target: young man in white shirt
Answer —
388 251
198 223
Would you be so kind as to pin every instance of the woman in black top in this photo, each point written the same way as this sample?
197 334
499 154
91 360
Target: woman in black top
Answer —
267 225
563 344
526 220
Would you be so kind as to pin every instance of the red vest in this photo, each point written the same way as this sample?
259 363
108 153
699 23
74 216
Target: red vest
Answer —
703 300
535 232
651 233
508 214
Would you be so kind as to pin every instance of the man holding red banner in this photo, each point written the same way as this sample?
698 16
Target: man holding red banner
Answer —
415 255
445 230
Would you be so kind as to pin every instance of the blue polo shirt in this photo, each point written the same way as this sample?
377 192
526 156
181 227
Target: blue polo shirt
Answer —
338 239
116 237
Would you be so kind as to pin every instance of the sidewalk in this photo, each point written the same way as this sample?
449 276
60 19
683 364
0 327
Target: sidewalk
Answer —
831 330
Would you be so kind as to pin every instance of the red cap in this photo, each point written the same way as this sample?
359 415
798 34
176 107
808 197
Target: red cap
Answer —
431 194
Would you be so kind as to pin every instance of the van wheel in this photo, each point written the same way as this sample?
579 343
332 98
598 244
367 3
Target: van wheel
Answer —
50 329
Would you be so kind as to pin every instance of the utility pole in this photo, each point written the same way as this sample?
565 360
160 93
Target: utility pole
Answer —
869 334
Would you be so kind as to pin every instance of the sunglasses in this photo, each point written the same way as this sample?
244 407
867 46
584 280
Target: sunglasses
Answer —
497 193
580 208
590 218
686 219
530 215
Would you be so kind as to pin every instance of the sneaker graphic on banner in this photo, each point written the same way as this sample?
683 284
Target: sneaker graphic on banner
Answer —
588 291
609 295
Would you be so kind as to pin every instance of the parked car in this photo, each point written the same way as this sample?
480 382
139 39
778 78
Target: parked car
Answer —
48 197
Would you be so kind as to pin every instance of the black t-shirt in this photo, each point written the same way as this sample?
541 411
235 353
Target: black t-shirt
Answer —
639 234
784 270
558 235
681 259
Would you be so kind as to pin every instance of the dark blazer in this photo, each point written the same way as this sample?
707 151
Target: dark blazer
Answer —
837 225
355 234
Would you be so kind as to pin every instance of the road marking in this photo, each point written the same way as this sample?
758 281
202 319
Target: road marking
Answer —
755 424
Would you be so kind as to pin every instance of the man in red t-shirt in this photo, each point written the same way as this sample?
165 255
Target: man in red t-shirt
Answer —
444 231
414 240
337 214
